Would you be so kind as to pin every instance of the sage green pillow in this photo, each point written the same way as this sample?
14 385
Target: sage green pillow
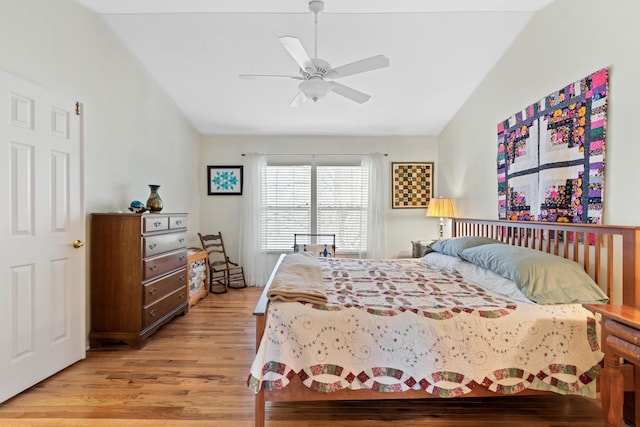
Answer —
456 245
543 278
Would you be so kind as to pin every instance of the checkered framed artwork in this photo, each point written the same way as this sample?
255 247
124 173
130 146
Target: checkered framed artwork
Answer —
412 184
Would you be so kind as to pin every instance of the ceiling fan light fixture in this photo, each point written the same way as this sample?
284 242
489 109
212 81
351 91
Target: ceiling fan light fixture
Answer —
316 74
316 6
315 88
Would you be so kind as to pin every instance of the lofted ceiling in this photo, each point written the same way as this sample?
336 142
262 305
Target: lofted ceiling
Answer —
439 50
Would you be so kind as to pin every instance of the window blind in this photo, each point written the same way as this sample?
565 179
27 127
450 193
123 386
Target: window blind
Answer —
342 206
286 204
336 204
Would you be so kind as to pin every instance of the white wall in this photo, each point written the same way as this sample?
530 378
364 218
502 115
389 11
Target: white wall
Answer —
222 213
134 134
563 43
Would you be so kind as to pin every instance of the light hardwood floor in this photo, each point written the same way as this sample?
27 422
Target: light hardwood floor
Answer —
193 373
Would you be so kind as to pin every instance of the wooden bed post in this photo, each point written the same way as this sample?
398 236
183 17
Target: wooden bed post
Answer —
631 297
259 403
631 268
611 385
260 313
261 320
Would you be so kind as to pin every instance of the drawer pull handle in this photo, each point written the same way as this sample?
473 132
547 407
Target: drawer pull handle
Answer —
181 295
153 313
181 258
178 222
181 240
152 246
153 267
182 278
153 291
157 224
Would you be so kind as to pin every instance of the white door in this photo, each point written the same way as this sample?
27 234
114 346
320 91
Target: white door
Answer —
42 273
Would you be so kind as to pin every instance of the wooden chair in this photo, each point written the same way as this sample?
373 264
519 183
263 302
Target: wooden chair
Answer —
225 274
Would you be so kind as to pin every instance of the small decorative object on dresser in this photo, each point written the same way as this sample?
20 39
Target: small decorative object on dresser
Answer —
138 275
154 202
137 206
197 275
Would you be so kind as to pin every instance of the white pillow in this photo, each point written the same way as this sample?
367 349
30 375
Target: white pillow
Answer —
491 282
543 277
441 261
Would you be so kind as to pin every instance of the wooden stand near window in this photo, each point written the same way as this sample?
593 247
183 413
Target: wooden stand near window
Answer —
320 245
197 275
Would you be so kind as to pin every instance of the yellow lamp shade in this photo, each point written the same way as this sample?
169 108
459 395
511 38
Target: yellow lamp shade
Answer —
442 208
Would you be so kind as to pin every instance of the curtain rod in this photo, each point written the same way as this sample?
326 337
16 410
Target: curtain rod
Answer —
313 155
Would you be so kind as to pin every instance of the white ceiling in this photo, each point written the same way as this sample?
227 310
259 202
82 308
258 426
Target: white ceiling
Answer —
440 50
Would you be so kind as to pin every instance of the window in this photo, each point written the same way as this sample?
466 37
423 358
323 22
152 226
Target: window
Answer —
342 206
322 199
286 196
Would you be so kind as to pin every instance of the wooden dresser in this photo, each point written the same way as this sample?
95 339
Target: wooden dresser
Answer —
138 275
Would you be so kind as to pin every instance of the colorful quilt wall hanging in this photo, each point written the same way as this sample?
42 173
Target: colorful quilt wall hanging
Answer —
551 156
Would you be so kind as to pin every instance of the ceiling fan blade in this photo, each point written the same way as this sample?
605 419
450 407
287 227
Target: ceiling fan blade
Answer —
298 100
297 52
364 65
269 77
350 93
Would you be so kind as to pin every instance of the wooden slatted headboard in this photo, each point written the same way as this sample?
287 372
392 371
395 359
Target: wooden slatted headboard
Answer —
611 255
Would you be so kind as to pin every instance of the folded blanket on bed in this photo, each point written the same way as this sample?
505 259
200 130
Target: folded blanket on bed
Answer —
299 278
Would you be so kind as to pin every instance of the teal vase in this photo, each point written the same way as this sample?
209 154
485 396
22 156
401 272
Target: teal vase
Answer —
154 202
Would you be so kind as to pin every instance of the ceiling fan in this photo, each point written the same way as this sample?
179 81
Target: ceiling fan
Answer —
316 74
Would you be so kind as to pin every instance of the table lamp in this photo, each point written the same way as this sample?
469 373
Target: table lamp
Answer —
442 208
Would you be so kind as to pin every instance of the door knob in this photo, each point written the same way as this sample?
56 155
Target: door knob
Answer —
78 244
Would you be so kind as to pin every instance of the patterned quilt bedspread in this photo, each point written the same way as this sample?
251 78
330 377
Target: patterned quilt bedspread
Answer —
395 325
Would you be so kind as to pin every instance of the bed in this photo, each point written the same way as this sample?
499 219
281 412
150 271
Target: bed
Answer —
374 333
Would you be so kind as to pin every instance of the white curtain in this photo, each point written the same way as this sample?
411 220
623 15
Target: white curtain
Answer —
374 166
253 258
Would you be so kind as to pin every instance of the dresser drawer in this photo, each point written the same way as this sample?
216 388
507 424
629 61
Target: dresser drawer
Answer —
154 223
157 311
179 221
155 245
158 265
160 288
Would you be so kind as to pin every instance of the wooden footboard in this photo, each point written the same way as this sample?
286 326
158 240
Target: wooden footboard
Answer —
610 257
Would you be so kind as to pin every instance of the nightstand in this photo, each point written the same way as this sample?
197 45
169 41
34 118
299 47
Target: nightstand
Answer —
420 247
620 339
